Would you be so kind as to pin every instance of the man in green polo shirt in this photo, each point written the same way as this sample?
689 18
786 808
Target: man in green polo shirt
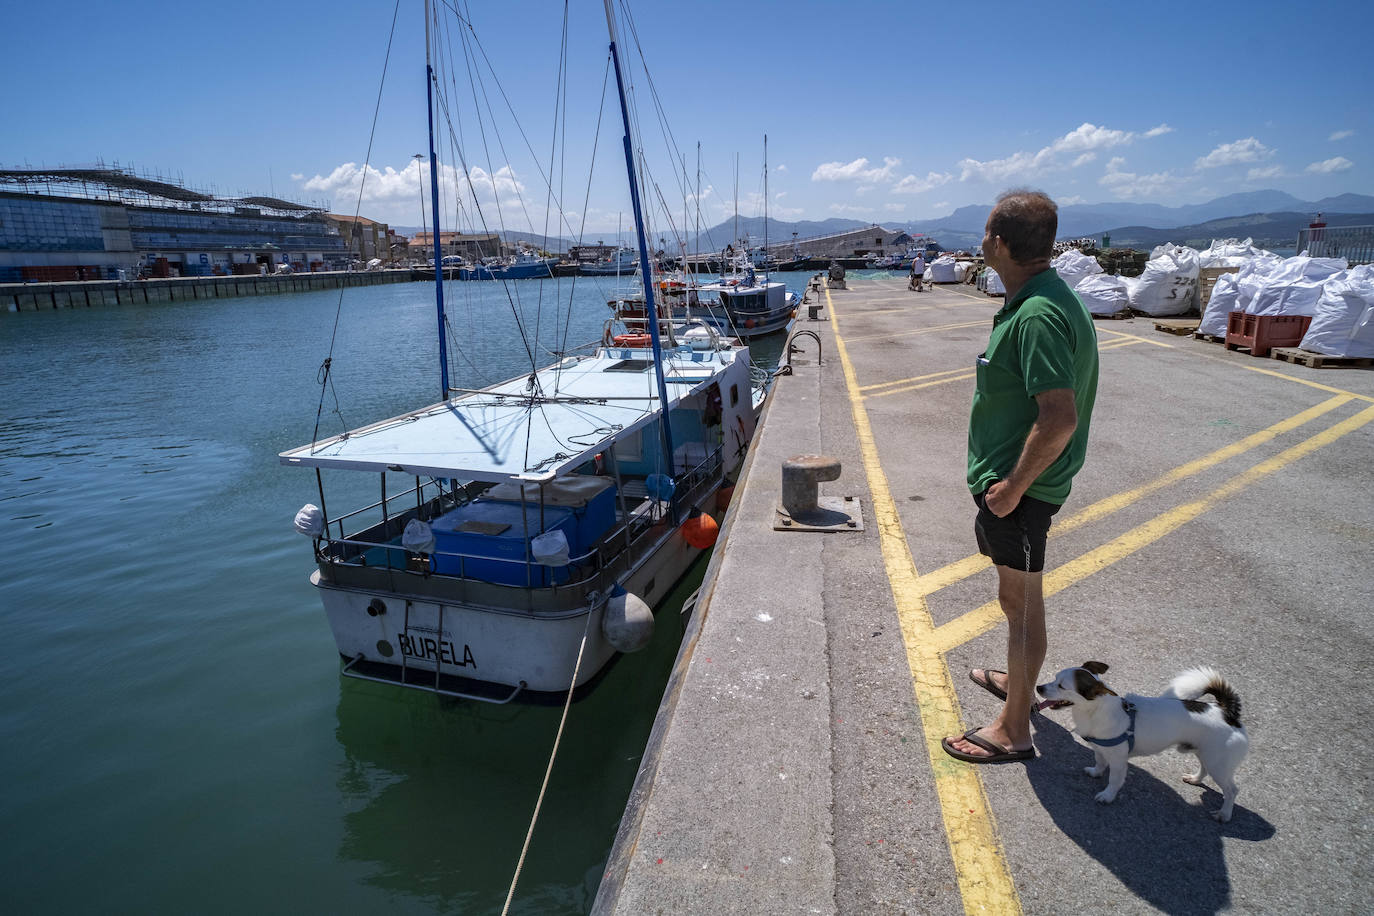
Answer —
1028 435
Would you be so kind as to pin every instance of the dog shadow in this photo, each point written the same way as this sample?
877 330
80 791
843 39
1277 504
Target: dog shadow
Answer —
1157 838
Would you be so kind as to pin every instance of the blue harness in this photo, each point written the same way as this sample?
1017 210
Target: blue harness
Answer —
1128 735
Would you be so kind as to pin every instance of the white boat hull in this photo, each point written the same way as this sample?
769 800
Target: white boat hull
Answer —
497 646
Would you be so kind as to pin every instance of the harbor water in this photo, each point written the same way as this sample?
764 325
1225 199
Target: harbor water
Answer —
177 735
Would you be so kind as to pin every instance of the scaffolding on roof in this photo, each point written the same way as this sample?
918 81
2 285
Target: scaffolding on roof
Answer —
125 186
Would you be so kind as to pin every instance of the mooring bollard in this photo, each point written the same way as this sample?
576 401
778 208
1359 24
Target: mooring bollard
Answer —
802 509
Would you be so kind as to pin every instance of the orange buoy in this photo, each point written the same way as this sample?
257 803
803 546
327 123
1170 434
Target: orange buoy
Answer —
700 531
632 340
723 496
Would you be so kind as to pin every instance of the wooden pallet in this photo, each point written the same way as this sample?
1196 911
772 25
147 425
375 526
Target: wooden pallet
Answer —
1211 338
1320 360
1122 315
1183 327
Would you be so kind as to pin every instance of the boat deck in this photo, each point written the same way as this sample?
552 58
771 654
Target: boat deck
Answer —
1226 501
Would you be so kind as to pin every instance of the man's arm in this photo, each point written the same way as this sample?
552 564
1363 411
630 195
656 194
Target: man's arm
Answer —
1048 437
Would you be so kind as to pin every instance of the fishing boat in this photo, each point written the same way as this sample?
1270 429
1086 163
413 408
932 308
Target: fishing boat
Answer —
624 262
524 265
520 532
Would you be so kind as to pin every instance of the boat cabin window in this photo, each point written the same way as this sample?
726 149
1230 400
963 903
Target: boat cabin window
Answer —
629 365
734 395
630 448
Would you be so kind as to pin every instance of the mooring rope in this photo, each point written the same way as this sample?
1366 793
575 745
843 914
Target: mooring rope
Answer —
548 771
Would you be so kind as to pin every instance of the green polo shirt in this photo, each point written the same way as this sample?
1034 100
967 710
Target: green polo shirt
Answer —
1043 338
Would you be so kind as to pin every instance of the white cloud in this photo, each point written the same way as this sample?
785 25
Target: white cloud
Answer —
297 176
1069 201
780 195
894 208
1247 150
851 210
863 189
1327 166
1086 140
1131 185
780 168
857 170
1159 131
1341 135
939 205
1273 171
913 184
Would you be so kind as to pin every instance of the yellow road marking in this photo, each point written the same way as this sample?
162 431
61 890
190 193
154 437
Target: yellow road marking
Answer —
952 378
929 330
1302 381
1136 337
915 378
984 879
976 622
1118 344
945 576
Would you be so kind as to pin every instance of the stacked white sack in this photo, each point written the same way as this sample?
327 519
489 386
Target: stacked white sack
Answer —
941 270
994 284
1229 253
1073 266
1343 324
1103 294
1220 306
1168 285
1294 287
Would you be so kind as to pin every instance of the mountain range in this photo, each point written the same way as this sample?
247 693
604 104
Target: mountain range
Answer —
1262 215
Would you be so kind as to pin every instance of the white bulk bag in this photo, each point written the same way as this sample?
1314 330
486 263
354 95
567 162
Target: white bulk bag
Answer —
942 270
1251 276
1344 321
1229 253
1073 266
1103 294
1294 286
960 271
994 283
1220 306
1168 285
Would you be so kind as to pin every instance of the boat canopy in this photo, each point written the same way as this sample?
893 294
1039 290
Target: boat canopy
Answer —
516 431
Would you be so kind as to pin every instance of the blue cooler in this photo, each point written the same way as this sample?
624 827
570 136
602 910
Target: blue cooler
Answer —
491 534
590 499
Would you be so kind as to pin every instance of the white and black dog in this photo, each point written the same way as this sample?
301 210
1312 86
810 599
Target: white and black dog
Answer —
1118 727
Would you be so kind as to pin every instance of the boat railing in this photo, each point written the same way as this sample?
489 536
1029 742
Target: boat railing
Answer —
377 550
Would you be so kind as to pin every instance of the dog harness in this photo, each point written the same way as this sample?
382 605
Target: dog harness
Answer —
1128 735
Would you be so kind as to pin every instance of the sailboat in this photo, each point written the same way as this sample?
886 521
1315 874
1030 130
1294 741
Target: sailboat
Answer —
536 520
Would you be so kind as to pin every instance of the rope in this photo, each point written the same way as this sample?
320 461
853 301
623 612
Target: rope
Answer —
548 771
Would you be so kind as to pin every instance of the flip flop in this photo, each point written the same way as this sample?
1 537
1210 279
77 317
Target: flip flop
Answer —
987 684
996 753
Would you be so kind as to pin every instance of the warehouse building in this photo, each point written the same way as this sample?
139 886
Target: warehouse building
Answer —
110 223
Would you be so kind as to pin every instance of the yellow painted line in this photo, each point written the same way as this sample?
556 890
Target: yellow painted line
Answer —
945 576
1302 381
976 622
953 378
929 330
1136 337
914 378
985 883
1118 344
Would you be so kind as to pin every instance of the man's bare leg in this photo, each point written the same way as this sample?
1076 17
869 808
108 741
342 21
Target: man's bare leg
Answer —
1022 598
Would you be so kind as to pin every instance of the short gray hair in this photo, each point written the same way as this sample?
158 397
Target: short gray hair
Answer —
1027 221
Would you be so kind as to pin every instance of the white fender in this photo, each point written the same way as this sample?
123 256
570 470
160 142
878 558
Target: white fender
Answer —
627 622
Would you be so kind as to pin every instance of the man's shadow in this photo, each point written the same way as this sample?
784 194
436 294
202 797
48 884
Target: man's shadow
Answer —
1156 838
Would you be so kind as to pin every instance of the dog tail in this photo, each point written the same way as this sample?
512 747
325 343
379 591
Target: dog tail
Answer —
1196 683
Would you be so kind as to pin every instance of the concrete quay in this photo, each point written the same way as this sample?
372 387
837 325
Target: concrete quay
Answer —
1225 517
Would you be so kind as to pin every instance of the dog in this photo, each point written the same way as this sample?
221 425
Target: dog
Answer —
1119 728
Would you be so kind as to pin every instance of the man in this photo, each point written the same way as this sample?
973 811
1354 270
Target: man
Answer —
1028 434
918 273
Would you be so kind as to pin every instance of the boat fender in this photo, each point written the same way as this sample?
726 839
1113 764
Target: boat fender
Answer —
700 530
310 520
418 537
627 622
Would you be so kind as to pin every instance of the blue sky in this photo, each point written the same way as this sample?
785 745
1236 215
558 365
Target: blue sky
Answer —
873 111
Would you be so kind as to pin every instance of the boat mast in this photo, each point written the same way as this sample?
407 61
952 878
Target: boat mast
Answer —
650 311
765 208
434 203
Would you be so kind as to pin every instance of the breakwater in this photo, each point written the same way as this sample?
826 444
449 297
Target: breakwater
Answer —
32 297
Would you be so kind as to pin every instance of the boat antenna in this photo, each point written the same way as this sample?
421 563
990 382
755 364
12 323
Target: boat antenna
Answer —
434 204
650 311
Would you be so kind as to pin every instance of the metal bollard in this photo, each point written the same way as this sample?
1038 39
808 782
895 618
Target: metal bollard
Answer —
802 510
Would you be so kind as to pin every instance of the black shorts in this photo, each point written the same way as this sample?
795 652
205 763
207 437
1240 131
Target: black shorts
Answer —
1006 540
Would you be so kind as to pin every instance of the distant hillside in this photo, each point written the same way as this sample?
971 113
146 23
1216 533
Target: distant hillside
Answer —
1269 230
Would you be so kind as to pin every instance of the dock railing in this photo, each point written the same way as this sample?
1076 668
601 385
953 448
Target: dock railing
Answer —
1354 243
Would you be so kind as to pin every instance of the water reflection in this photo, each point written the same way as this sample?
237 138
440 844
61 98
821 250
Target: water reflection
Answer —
437 794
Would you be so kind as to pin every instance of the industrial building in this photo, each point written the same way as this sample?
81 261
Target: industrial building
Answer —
111 223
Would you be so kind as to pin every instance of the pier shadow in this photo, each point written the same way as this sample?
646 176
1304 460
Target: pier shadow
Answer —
1157 838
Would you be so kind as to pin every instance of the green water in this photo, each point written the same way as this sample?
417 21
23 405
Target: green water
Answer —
177 736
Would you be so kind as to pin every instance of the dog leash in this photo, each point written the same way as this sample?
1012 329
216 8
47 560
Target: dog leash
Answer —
1128 735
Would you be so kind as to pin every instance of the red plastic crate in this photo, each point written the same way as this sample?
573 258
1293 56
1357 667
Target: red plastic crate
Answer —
1261 333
